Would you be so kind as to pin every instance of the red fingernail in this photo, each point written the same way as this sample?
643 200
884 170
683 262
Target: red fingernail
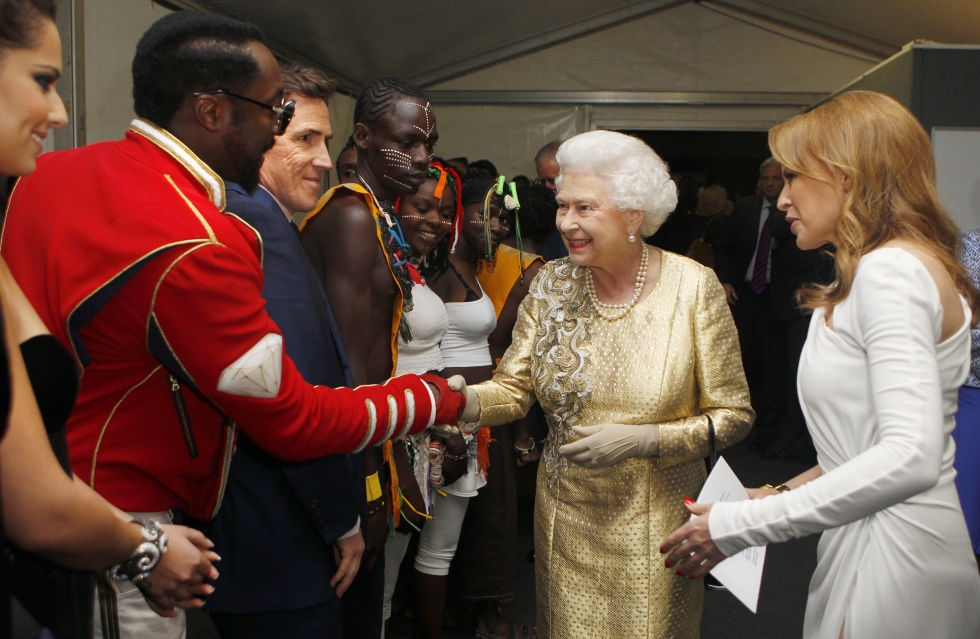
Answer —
679 573
693 577
667 564
688 501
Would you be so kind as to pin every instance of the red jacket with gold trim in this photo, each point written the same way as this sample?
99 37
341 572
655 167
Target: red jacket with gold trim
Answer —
124 250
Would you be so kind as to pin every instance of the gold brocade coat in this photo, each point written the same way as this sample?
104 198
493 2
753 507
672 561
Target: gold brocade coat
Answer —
671 360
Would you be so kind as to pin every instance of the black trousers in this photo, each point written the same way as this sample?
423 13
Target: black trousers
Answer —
322 621
760 338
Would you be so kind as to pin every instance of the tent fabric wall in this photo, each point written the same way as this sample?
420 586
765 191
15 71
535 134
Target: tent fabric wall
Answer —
684 49
687 48
111 29
662 66
508 135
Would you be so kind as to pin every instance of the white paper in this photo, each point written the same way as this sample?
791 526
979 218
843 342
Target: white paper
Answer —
740 573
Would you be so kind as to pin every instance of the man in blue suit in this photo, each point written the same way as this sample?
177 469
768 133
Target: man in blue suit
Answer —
289 533
743 261
761 268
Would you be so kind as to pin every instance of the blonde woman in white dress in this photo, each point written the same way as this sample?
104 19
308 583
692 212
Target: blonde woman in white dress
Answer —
888 348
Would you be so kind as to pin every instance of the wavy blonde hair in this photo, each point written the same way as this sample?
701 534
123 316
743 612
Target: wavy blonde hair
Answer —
883 150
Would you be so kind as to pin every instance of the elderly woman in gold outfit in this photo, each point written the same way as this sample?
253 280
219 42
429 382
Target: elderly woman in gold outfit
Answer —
632 353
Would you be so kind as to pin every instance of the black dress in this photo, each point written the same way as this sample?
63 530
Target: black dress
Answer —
57 598
4 413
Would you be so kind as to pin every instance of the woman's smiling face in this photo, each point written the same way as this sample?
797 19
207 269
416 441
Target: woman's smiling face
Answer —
30 105
594 230
426 219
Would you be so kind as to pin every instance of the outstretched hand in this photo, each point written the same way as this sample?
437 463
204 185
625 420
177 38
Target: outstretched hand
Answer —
471 411
730 295
690 549
469 414
179 580
449 401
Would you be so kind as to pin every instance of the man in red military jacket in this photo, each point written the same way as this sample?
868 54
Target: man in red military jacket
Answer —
125 251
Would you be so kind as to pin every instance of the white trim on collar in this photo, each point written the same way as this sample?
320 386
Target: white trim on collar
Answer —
210 180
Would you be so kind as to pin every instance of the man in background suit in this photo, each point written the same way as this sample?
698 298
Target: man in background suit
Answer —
761 268
546 166
792 269
743 261
289 532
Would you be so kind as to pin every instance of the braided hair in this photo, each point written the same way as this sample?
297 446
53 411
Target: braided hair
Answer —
379 98
437 261
489 190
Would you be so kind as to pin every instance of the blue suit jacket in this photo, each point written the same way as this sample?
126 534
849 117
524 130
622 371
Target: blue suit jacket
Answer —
736 245
790 267
278 519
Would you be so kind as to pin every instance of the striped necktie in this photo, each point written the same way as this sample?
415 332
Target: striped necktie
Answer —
762 251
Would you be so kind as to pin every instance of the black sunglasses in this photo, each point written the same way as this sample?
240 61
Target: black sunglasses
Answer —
284 112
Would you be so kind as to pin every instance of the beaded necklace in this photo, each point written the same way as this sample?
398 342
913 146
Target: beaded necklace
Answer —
397 251
613 312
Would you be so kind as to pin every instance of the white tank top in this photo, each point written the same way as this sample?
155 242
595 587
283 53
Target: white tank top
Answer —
429 322
470 324
465 344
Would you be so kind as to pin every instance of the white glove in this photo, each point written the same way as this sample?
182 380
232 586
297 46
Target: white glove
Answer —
607 444
471 412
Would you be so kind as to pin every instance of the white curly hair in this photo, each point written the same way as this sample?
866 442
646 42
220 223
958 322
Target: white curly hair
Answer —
638 179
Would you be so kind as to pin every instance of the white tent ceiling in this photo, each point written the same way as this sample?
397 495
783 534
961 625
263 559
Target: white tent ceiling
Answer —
433 42
509 75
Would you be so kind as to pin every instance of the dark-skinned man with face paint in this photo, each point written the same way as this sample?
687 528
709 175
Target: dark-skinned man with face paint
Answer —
356 248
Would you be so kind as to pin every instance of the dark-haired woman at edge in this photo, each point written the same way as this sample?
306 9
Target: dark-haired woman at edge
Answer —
48 516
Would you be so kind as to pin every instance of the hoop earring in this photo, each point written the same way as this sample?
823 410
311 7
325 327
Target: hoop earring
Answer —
631 238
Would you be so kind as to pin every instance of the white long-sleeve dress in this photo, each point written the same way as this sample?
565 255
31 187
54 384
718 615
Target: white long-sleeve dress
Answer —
879 393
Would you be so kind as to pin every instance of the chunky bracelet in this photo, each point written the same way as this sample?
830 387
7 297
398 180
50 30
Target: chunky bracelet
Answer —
375 506
524 451
147 554
779 488
436 456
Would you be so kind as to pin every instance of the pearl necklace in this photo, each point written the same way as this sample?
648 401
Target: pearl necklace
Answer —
613 312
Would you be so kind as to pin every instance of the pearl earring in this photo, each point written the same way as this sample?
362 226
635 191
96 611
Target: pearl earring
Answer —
631 238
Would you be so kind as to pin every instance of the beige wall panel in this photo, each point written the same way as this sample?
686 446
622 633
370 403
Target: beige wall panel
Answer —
508 136
688 48
112 28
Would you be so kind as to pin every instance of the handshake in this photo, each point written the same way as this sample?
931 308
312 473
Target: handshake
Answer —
592 446
459 406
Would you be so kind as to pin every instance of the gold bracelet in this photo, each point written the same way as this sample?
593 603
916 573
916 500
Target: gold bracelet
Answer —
779 488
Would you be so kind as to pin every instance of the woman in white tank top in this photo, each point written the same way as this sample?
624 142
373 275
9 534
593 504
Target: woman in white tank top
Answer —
465 351
429 220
